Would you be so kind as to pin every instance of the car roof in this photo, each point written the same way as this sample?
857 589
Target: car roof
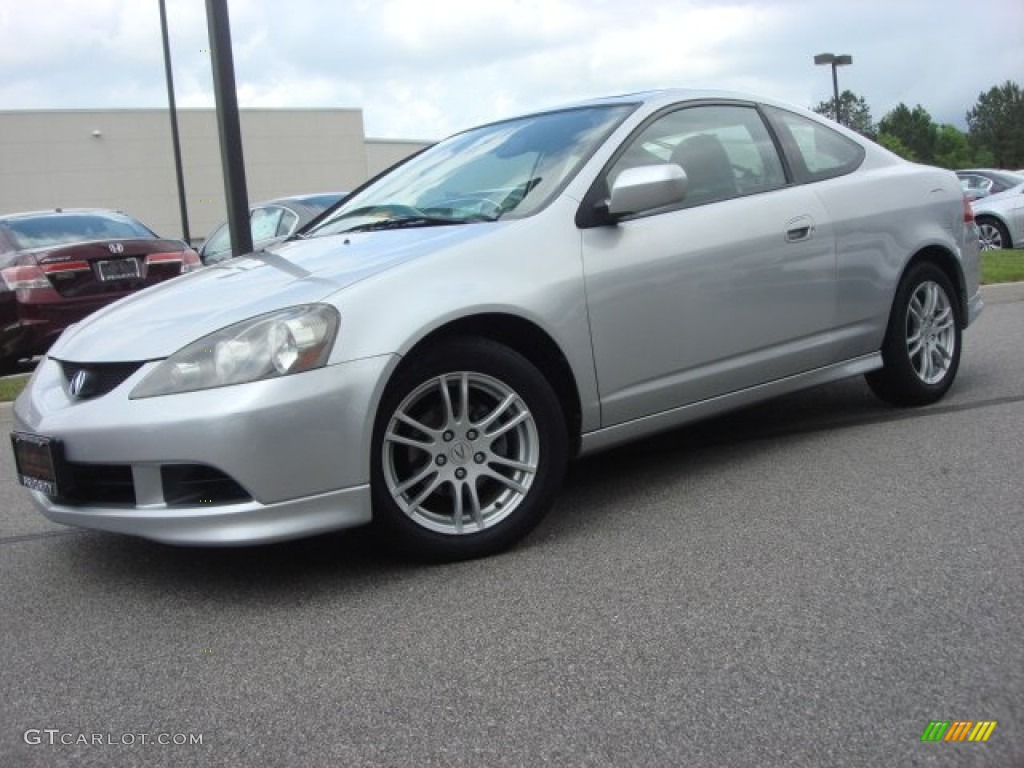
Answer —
671 96
58 211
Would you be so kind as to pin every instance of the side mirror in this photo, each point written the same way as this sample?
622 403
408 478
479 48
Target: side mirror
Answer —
645 188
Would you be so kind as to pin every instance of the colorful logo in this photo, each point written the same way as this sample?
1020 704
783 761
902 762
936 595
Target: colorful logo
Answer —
958 730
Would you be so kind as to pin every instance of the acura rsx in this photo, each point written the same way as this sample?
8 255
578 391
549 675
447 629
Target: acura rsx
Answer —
430 354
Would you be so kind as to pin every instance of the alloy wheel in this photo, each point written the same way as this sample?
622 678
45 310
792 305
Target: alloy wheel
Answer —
460 453
931 333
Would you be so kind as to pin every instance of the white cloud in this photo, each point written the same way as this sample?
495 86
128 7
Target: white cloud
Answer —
422 70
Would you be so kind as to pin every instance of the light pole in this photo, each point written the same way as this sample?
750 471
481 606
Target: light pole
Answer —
175 141
836 61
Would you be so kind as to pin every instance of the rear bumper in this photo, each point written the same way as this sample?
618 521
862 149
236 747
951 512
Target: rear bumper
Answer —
974 307
28 329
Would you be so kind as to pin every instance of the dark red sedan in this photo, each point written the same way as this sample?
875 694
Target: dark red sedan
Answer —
58 266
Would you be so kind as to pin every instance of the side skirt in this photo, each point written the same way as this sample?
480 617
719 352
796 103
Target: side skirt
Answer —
608 437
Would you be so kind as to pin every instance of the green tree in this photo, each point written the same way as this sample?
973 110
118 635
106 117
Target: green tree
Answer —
952 149
854 111
894 144
996 123
915 130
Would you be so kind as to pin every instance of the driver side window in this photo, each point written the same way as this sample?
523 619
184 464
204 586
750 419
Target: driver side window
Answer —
726 152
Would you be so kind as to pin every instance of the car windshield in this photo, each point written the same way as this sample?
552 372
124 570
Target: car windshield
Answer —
48 230
508 169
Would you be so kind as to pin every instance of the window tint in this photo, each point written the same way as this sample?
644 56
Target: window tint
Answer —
287 223
218 244
264 223
726 151
815 151
63 228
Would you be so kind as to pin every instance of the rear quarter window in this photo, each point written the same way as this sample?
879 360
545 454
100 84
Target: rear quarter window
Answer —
815 151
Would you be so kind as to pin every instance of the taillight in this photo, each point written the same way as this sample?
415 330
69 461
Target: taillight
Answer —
188 259
968 211
24 278
65 266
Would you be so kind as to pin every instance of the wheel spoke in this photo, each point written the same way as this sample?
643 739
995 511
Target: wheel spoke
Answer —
495 414
415 480
926 364
914 343
509 425
423 445
449 411
419 426
931 297
457 502
464 397
474 506
916 310
433 486
506 481
517 465
944 320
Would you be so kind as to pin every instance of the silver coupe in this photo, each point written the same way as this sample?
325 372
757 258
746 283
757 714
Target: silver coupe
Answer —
430 354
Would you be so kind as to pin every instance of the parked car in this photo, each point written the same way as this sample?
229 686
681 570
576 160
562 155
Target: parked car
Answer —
430 354
982 182
270 222
58 266
1000 219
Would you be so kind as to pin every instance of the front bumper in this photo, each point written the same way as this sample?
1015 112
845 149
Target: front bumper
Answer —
297 447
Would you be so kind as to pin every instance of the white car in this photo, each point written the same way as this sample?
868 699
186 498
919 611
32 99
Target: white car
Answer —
1000 219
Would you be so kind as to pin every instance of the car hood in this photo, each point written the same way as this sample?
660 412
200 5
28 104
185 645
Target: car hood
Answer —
154 323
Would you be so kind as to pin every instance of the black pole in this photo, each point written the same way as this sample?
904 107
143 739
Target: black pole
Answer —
228 126
835 91
175 141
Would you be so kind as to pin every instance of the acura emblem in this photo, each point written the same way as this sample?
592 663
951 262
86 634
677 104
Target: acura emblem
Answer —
82 384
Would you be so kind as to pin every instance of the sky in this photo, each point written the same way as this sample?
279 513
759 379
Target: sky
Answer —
423 69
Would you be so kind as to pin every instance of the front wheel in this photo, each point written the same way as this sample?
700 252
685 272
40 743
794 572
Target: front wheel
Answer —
992 234
469 450
921 350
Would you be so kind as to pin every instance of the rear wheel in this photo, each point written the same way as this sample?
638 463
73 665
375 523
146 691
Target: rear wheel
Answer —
921 350
469 450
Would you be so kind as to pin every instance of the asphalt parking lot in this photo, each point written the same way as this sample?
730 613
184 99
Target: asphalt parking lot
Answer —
806 583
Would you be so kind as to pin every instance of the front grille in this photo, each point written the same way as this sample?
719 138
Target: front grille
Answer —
100 378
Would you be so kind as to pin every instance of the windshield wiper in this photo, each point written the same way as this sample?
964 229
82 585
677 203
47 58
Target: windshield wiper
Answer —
403 222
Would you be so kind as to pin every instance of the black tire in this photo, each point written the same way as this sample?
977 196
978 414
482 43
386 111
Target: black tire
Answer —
921 349
465 483
992 234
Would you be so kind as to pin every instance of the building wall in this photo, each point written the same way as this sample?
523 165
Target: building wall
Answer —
124 159
381 154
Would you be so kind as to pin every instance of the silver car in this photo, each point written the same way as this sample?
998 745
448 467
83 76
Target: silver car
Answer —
1000 219
269 222
431 354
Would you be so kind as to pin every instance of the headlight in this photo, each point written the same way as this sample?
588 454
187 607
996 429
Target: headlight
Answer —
277 344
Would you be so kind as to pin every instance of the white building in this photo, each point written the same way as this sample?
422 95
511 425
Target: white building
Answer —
124 159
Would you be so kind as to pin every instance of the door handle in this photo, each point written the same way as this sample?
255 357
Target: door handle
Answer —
800 228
